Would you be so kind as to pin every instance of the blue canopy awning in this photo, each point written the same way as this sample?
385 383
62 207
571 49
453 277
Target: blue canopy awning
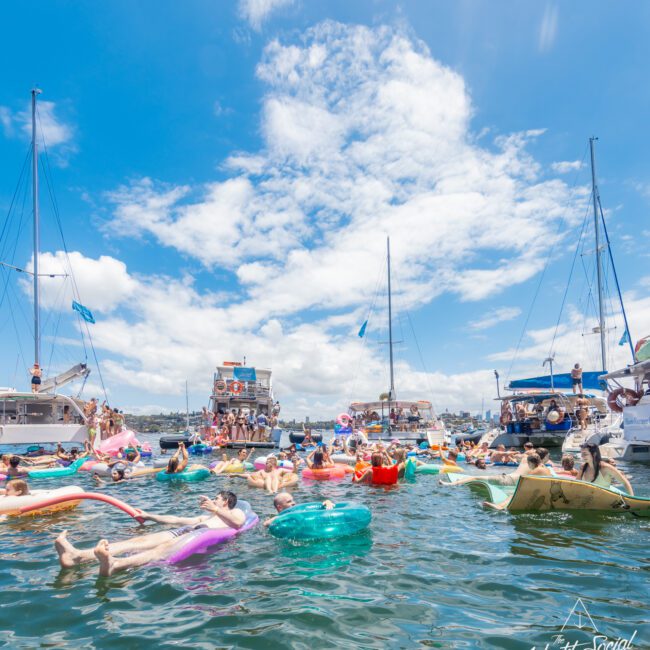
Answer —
590 381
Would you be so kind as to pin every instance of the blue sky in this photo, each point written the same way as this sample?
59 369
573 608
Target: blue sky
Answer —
226 175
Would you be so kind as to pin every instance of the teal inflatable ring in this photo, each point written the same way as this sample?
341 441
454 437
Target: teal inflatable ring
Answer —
53 472
187 475
312 522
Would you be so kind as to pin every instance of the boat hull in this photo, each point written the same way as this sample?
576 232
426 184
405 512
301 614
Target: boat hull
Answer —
626 451
21 434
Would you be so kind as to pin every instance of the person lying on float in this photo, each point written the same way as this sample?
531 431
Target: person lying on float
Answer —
153 546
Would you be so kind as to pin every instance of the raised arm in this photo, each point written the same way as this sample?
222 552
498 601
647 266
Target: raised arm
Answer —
616 473
172 519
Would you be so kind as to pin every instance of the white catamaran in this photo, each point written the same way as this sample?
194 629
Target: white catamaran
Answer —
45 416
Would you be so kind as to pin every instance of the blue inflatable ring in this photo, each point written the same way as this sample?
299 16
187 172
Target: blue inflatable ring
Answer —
311 521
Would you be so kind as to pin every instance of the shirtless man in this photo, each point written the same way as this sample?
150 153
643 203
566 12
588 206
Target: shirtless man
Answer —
36 374
576 378
154 546
283 501
272 477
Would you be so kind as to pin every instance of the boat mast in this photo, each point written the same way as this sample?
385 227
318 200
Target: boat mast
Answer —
37 324
596 200
391 393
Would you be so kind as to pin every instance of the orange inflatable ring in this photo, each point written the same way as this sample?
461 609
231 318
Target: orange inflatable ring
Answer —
220 386
236 387
630 398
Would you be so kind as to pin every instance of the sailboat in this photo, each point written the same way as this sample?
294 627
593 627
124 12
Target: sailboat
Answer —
389 417
541 410
46 416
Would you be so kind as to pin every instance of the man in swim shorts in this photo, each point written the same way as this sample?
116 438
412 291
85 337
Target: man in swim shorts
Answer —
153 546
283 501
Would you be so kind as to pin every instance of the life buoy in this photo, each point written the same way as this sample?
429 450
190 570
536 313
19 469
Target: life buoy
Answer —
220 386
236 387
630 398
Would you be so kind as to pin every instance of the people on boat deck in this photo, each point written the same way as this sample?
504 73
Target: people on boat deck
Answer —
15 488
582 411
36 373
520 411
599 472
151 547
283 501
576 378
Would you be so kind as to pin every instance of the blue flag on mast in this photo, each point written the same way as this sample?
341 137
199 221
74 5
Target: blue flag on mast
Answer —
625 338
85 313
362 331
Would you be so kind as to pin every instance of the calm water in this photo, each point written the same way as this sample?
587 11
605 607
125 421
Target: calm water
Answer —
435 569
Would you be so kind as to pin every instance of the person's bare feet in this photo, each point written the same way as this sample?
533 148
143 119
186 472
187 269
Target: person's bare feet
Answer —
68 555
104 557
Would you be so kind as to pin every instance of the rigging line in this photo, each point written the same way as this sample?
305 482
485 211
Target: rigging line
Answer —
618 286
21 179
56 333
365 337
49 181
20 347
568 284
548 260
18 231
424 367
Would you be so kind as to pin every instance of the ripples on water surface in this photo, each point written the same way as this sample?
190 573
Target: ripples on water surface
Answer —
435 569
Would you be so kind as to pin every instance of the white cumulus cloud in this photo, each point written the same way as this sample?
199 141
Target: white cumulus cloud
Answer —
256 12
494 317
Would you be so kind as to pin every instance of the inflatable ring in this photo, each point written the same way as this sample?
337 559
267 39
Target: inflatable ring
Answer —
220 387
187 475
344 419
15 506
236 387
54 472
310 521
325 474
630 398
260 463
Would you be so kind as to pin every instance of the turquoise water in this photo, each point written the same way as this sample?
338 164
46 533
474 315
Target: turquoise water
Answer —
435 569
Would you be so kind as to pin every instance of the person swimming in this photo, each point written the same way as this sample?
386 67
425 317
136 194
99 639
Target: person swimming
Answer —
283 501
272 477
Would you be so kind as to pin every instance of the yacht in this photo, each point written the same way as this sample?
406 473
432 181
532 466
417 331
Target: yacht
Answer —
236 386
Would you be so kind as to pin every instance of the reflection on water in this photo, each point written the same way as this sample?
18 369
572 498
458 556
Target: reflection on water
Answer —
435 570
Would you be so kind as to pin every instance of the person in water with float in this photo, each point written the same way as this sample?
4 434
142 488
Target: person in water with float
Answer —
232 465
272 477
15 488
153 546
598 471
283 501
178 462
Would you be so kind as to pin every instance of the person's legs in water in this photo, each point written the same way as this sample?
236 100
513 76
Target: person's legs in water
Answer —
108 563
70 556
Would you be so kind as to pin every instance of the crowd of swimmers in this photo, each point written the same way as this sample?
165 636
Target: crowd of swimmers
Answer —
372 461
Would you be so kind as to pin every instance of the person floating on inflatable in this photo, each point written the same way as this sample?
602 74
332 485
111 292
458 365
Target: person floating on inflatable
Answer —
283 501
153 546
178 462
382 471
272 477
